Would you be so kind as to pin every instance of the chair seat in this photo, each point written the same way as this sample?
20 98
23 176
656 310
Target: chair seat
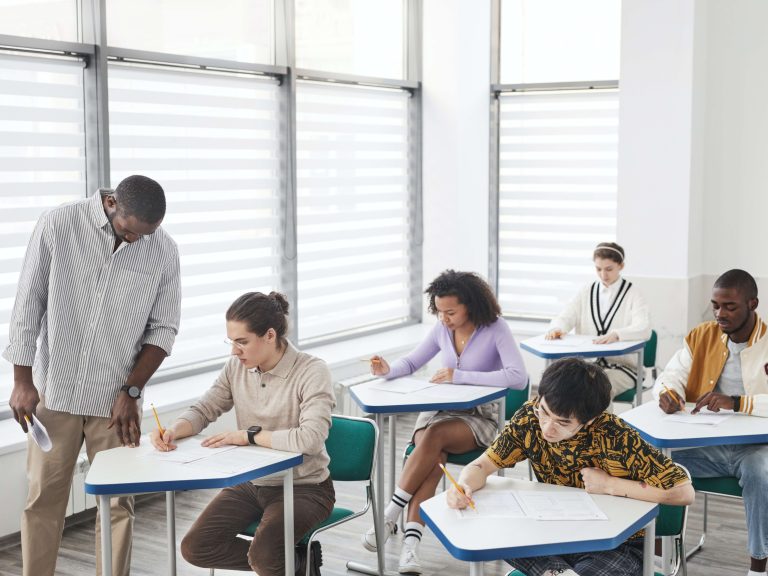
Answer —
626 396
458 459
727 485
336 514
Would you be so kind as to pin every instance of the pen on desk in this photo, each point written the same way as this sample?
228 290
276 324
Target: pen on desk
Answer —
456 485
675 397
157 419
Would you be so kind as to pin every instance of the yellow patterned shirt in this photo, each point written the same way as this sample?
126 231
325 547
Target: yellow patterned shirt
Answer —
607 443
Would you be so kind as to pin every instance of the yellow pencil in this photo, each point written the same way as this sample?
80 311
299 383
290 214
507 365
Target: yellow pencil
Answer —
157 419
675 397
456 485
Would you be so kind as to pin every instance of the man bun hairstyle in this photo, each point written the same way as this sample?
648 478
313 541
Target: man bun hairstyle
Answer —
574 388
739 280
142 198
471 290
609 251
260 312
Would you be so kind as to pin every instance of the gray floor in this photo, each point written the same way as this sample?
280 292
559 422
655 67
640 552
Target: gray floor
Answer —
725 553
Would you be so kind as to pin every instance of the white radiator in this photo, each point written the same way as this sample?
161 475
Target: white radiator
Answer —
78 499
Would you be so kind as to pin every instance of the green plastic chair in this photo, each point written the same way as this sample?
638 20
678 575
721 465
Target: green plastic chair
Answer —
727 486
649 361
671 521
351 446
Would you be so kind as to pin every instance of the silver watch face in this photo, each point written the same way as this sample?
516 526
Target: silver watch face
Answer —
134 392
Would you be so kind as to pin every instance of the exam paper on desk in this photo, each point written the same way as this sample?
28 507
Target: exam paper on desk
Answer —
404 385
565 505
188 450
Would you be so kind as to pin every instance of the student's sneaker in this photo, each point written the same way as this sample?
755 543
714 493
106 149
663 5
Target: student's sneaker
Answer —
409 561
369 538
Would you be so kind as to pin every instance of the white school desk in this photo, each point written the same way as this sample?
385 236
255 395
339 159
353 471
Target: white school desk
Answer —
128 471
561 348
383 404
649 421
476 539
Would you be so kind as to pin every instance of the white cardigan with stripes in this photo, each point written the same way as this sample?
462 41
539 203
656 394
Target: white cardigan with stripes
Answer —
630 319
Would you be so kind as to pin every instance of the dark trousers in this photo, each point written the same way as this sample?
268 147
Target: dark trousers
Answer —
212 541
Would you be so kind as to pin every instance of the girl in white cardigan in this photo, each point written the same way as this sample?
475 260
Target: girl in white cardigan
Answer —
610 309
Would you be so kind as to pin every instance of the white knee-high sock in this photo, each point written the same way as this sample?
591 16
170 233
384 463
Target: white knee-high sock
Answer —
395 507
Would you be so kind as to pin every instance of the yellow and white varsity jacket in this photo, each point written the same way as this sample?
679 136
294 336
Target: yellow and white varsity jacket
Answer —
695 369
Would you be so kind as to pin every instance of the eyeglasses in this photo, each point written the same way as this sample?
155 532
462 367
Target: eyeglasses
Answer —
544 418
231 343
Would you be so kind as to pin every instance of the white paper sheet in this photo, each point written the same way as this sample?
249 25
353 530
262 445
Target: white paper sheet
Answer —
705 417
565 505
188 450
404 385
448 392
492 504
39 434
233 462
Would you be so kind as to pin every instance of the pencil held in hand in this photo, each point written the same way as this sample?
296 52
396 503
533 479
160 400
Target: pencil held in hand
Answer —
456 485
157 419
675 397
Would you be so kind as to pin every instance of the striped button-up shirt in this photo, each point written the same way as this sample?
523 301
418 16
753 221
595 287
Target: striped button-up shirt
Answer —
84 310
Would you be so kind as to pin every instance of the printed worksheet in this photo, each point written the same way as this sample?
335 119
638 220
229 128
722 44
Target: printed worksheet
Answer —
404 385
454 392
233 462
491 504
189 450
704 417
561 505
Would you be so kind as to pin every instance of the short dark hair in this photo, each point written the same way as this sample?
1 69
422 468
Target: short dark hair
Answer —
575 388
471 290
142 198
260 312
739 280
609 251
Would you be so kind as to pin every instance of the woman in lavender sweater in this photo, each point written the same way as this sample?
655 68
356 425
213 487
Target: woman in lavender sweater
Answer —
476 348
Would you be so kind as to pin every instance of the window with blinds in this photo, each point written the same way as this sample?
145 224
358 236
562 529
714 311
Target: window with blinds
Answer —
353 208
211 140
42 161
557 194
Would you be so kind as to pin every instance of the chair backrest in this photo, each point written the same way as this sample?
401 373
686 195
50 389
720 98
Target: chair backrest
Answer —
671 519
351 445
515 399
649 350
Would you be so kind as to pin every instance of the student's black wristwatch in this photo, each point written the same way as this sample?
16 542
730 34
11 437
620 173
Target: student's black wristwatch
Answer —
252 431
132 391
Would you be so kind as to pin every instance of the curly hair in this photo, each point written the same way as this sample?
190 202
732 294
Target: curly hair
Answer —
471 290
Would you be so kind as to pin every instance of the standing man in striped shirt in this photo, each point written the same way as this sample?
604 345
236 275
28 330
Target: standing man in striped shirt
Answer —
96 312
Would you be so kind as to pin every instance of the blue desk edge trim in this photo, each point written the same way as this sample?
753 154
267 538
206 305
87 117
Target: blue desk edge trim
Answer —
458 405
172 486
539 550
700 442
571 353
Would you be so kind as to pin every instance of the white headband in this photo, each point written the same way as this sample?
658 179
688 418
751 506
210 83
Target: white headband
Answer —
601 247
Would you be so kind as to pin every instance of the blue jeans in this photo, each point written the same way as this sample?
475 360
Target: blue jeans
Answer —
748 463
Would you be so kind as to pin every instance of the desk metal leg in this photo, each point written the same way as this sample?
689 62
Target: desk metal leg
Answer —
392 454
648 548
170 519
476 569
105 513
288 520
640 374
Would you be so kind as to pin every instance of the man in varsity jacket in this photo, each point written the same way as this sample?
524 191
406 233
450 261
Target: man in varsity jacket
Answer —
724 365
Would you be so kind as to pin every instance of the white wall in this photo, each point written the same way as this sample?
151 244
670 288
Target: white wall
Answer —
456 80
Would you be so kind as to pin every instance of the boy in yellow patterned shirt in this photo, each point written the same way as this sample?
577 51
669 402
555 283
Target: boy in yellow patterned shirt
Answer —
570 440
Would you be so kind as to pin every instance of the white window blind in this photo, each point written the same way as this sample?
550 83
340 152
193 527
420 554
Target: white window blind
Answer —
557 194
353 208
42 161
211 141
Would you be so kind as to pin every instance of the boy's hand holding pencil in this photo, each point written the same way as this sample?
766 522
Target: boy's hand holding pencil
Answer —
458 496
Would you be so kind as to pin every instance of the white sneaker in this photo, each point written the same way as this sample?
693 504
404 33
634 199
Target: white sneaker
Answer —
409 561
369 538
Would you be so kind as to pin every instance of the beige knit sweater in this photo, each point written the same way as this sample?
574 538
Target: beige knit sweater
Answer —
293 400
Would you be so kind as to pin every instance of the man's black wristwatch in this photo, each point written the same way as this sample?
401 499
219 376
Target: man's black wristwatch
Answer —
132 391
252 431
736 402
